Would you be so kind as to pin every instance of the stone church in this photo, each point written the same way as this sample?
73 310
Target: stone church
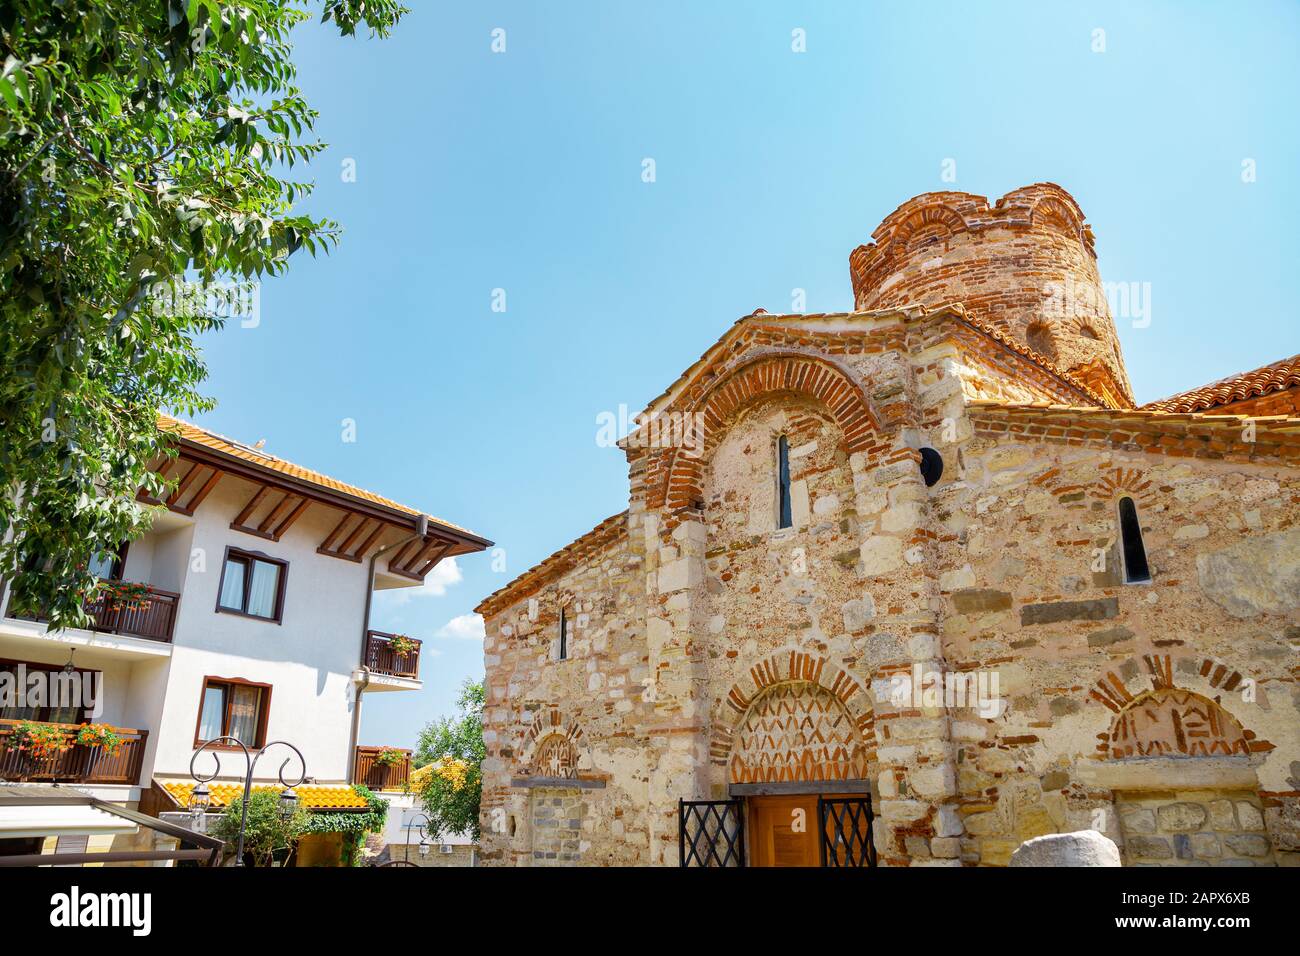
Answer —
912 584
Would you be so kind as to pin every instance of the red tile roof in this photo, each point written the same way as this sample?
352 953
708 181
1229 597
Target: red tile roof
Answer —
1235 388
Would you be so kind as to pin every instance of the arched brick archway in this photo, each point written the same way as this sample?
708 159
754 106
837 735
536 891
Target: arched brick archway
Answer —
796 731
552 738
815 377
1180 714
809 683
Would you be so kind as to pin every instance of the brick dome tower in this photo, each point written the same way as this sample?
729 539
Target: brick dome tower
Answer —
1025 265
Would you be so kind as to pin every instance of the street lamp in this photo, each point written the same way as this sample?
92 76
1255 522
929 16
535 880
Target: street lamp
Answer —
424 834
201 796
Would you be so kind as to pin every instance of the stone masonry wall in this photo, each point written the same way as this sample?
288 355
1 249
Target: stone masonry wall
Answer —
1033 589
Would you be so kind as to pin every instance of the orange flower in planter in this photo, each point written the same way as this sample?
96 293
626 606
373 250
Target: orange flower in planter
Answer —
38 741
100 735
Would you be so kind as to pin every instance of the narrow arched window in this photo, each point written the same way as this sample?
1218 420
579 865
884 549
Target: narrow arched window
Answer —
563 650
1135 553
783 512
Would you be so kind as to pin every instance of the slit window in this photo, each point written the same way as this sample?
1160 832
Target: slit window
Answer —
563 650
783 512
1136 569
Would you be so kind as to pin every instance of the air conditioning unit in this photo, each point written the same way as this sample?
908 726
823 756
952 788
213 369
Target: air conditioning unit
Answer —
446 848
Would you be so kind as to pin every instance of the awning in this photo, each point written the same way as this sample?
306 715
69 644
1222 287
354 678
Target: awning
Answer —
59 820
30 810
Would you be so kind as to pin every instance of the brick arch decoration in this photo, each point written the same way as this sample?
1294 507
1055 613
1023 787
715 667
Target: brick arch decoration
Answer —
552 734
1109 486
1171 720
932 217
1053 212
817 709
816 377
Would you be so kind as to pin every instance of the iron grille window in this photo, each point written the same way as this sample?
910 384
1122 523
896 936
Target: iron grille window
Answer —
846 831
711 833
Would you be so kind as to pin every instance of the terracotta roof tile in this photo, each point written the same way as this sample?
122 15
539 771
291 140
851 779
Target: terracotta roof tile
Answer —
228 446
310 796
1235 388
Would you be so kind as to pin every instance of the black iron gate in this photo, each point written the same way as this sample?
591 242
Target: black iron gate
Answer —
711 832
846 831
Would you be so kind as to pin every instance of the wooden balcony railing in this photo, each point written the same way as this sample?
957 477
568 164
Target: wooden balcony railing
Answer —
153 619
77 764
382 659
378 776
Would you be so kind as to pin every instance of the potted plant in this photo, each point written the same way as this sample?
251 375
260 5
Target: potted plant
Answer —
389 757
402 646
99 740
36 743
127 596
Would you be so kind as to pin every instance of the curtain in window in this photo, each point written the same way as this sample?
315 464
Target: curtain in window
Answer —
261 596
214 712
243 713
101 566
232 586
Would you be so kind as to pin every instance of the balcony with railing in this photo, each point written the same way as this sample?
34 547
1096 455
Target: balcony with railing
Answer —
393 655
382 768
130 610
79 763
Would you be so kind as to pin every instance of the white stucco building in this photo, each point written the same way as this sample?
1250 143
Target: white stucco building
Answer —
255 625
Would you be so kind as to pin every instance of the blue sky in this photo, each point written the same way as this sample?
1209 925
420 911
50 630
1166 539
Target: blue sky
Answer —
522 171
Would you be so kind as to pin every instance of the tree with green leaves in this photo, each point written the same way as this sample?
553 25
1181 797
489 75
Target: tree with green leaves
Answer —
449 754
143 144
268 835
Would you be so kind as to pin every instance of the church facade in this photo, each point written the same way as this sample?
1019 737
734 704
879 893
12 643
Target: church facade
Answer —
912 584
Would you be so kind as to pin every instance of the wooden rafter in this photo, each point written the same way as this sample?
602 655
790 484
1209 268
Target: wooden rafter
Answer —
183 485
240 522
352 545
277 517
433 561
427 555
192 505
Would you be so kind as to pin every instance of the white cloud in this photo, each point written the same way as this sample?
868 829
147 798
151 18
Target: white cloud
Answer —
446 574
467 627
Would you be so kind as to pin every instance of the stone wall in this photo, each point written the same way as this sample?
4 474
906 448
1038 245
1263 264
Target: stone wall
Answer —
1193 828
1033 585
972 648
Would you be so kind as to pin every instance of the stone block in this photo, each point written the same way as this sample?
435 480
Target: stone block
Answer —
1247 844
980 601
1222 815
1181 817
1055 611
1248 816
1153 848
1137 819
1257 576
1112 635
880 555
1080 848
858 613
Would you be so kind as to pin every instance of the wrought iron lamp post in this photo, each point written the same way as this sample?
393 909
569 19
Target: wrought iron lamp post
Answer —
201 796
424 835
